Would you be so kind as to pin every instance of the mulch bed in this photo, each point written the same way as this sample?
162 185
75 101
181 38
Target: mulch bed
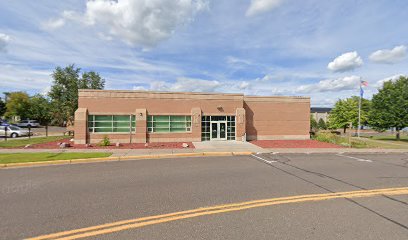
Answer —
293 144
55 145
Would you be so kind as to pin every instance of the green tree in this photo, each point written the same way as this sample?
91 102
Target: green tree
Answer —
18 104
41 110
346 112
2 108
322 124
390 106
313 124
64 90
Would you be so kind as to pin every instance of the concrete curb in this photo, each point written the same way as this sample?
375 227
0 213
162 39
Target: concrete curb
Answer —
118 159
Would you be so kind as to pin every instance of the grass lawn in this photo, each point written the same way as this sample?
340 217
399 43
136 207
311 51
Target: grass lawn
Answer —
13 143
42 157
391 138
387 142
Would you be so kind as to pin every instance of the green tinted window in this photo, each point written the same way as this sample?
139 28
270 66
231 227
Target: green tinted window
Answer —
103 118
111 123
163 124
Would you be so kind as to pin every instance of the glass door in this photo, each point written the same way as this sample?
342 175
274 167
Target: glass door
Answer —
222 126
214 130
218 130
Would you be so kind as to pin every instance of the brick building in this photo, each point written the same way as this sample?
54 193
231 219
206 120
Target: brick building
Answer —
142 116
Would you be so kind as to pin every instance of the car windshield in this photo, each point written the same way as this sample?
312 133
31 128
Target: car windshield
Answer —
14 128
25 121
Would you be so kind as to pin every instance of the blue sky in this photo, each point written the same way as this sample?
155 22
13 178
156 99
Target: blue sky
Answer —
257 47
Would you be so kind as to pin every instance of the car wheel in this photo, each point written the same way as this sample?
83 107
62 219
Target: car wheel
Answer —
14 135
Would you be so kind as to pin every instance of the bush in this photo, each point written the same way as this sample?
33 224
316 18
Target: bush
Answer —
105 141
322 124
339 140
313 124
331 138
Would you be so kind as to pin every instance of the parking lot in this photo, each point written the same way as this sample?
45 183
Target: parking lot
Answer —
42 200
40 132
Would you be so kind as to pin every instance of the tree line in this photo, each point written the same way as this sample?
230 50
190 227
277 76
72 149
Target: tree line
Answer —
387 109
58 106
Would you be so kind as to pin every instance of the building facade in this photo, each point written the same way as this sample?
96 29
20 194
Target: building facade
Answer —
142 117
320 113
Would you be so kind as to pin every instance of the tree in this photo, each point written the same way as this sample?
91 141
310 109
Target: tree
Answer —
313 124
390 106
346 112
41 110
18 104
322 124
64 90
2 108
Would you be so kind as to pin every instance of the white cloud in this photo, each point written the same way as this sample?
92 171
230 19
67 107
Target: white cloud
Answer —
345 62
244 85
53 24
237 61
18 78
393 78
389 56
56 23
261 6
142 23
330 85
4 40
139 88
184 84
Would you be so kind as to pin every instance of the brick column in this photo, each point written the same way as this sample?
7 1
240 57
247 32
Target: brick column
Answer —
81 126
240 120
141 126
196 123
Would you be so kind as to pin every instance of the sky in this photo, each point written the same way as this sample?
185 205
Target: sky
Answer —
310 48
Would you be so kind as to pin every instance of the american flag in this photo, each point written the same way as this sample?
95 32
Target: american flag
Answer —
364 83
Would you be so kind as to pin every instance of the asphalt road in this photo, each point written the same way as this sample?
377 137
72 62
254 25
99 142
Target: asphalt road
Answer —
42 200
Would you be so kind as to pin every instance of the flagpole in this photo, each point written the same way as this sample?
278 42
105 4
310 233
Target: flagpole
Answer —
359 110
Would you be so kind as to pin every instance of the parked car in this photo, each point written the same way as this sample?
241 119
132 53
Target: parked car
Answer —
13 131
28 123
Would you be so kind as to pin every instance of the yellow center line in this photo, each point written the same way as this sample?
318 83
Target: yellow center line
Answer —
140 222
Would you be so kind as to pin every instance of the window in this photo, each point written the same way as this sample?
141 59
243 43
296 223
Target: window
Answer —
205 128
231 128
165 124
111 123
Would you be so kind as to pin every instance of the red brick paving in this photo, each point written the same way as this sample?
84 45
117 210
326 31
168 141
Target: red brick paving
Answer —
55 145
293 144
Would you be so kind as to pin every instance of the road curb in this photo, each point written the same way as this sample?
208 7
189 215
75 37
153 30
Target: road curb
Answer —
124 158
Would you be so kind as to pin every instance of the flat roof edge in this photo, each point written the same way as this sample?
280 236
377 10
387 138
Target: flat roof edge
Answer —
157 92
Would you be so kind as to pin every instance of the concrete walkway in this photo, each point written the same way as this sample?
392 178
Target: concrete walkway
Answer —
228 146
201 149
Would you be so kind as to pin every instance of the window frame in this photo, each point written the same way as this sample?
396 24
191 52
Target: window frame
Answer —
153 122
91 124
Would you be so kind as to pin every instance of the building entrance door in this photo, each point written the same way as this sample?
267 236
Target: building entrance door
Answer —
218 130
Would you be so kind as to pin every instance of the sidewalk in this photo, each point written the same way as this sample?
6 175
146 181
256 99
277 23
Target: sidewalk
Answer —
137 152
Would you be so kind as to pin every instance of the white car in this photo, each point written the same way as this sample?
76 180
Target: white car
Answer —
13 131
28 123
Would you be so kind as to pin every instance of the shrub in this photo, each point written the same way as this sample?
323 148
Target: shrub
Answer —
339 140
331 138
355 143
322 124
105 141
313 124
